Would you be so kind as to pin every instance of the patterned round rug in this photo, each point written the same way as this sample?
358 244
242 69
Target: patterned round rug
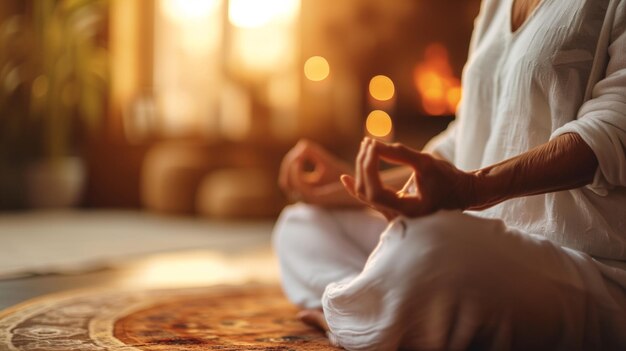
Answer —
247 317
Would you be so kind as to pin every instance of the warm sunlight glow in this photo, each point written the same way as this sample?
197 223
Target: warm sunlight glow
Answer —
262 36
439 89
257 13
263 49
378 123
316 68
204 268
382 88
189 10
187 42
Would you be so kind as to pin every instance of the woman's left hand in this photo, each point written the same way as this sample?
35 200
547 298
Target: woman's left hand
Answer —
436 184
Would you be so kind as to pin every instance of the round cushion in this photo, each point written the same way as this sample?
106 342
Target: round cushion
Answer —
239 192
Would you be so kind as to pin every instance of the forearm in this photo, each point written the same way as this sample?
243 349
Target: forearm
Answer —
564 163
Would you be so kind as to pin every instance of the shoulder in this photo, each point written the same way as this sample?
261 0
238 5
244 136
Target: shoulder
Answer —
486 16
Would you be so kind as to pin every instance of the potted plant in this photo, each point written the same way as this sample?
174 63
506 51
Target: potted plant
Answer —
53 82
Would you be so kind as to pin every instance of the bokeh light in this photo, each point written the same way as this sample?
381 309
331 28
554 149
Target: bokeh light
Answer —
382 88
379 123
257 13
316 68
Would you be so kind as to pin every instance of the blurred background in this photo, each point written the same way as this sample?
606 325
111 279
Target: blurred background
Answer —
140 139
187 106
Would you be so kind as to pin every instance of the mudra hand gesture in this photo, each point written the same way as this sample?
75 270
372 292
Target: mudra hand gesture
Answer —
435 184
309 173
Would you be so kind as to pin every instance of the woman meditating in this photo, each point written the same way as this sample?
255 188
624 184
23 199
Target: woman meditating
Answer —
510 232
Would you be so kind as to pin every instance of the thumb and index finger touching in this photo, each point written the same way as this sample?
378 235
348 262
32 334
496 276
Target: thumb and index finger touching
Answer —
367 162
293 164
393 153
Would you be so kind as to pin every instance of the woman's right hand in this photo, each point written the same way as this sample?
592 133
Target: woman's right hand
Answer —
436 184
309 173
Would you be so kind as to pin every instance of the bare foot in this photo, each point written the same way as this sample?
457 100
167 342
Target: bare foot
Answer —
314 318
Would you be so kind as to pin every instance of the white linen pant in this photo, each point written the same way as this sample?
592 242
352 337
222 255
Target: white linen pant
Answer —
448 281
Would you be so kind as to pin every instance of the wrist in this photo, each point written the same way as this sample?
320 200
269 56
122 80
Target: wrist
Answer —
485 190
469 194
464 194
475 190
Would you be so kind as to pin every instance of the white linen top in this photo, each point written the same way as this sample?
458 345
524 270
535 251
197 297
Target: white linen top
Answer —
524 88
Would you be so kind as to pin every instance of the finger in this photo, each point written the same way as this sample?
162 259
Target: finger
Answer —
302 153
372 190
283 174
385 199
286 166
348 183
400 154
317 175
373 185
294 182
300 189
287 175
315 151
391 203
387 211
412 206
357 167
409 186
318 159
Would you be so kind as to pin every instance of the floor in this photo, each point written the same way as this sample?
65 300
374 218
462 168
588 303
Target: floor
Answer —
48 252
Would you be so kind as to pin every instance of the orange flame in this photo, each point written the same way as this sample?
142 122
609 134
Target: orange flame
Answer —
439 89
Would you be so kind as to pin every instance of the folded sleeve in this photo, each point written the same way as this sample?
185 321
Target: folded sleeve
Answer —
444 143
601 121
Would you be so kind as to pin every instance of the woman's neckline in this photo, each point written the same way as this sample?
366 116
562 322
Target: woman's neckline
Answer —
529 18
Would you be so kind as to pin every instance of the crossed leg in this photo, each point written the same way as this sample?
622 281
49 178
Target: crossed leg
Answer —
318 246
449 281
